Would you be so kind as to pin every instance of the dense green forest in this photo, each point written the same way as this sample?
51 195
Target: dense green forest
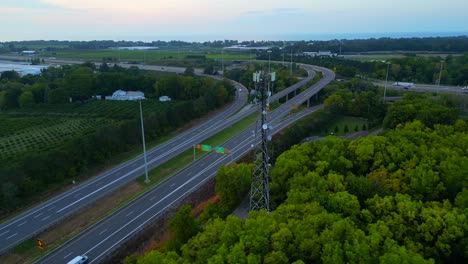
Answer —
399 197
46 141
433 44
410 69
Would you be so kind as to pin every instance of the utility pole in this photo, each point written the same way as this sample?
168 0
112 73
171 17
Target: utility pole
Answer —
340 48
440 76
144 145
290 71
194 157
222 60
259 191
269 53
386 79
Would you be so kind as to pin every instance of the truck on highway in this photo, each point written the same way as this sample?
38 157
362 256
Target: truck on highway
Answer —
78 260
404 84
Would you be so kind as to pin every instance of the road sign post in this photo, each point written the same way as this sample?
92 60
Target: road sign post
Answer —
40 245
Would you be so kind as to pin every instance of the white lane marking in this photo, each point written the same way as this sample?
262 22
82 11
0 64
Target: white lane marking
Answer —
67 255
45 218
23 223
152 198
51 208
36 216
172 185
103 231
4 232
12 236
98 190
78 194
129 213
99 183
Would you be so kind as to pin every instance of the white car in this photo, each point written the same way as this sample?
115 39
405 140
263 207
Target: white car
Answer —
79 260
465 88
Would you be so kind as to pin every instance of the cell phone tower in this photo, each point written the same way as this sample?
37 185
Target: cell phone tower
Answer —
259 191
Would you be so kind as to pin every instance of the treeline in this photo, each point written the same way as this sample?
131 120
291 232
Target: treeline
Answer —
432 44
81 82
435 44
429 111
409 69
399 197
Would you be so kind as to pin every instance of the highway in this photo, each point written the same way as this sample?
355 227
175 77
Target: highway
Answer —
101 239
50 212
425 88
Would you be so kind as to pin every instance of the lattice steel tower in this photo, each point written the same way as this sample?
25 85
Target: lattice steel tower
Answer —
259 191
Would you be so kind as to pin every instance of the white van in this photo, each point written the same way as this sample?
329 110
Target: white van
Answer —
78 260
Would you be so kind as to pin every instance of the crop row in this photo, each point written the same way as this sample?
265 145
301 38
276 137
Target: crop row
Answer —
47 137
105 109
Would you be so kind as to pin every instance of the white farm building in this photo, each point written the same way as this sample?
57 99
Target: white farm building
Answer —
120 95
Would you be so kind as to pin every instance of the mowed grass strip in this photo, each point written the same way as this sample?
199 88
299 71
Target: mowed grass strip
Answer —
341 121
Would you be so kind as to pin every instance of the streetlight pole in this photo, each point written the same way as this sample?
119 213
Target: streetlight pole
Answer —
386 80
290 67
440 76
269 52
144 144
340 47
222 60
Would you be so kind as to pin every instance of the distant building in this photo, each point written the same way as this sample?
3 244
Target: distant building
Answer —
244 48
165 98
28 52
320 54
120 95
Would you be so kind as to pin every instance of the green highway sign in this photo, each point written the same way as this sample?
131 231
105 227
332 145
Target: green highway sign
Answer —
220 150
206 148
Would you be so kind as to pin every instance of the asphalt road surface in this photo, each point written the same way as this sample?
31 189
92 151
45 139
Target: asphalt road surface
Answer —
50 212
101 239
425 88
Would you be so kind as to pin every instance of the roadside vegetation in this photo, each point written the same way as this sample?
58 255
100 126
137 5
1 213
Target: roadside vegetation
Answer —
48 141
396 197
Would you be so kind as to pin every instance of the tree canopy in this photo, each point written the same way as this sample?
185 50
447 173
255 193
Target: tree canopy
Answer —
400 197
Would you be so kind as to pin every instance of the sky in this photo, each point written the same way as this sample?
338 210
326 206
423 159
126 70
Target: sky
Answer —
200 20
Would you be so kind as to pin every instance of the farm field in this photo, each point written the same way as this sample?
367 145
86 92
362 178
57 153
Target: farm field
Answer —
48 127
140 55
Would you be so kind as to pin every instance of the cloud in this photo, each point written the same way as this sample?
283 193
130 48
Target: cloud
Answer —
28 4
275 12
84 18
